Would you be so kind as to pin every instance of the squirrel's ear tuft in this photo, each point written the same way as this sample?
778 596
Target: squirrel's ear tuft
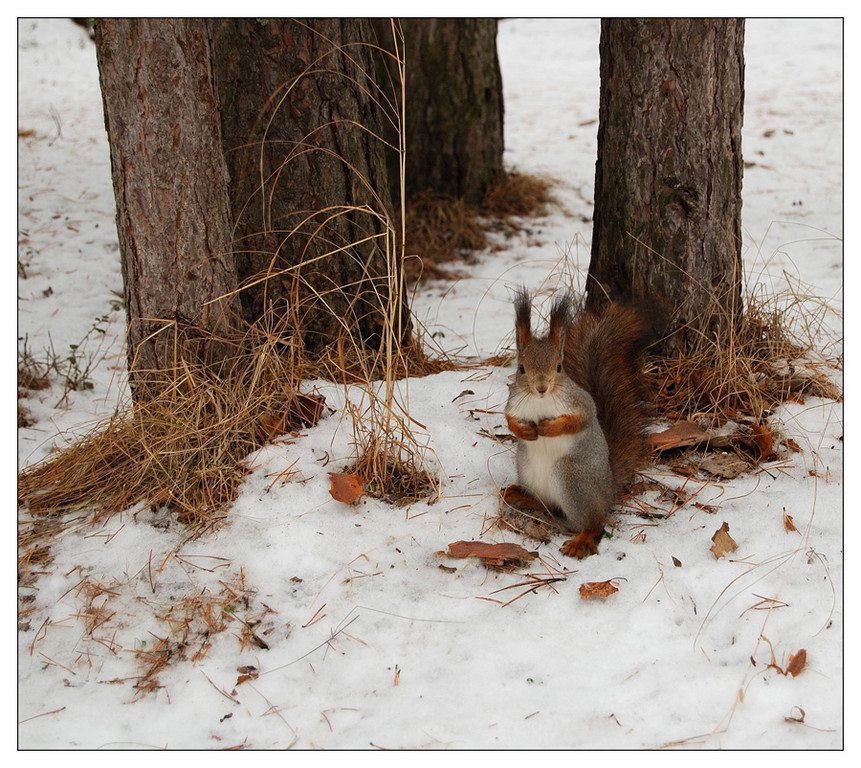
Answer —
560 319
522 318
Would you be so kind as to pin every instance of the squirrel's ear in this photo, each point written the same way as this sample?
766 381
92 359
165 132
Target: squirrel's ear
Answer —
560 317
522 318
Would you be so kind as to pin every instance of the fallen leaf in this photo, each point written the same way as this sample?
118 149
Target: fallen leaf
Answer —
592 589
796 718
248 672
764 440
797 662
305 409
302 410
724 465
681 435
723 542
492 554
346 487
788 524
677 562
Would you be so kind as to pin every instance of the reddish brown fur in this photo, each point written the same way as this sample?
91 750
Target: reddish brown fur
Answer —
522 430
582 545
602 355
567 424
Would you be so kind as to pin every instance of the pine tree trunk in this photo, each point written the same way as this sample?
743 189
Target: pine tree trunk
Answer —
667 226
170 184
454 108
300 124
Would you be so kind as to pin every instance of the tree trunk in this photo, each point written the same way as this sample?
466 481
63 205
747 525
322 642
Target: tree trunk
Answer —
667 226
170 184
454 109
300 124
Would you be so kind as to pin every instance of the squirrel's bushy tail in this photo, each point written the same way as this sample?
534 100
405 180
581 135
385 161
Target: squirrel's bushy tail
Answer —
603 355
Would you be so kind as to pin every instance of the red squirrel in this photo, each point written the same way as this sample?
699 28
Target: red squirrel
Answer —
575 406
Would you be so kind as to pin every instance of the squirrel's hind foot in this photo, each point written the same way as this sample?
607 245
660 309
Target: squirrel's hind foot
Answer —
583 544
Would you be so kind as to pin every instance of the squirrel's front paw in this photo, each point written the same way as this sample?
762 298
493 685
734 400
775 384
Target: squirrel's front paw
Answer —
522 430
582 545
566 424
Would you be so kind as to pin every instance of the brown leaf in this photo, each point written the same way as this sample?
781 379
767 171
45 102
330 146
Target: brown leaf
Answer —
247 672
492 554
592 589
681 435
797 662
724 465
302 409
788 524
764 440
723 542
269 426
305 409
346 487
677 562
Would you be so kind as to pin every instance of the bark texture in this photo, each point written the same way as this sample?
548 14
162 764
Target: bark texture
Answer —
300 124
667 228
454 108
169 179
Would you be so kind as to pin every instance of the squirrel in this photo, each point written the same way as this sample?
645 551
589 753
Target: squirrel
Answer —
576 409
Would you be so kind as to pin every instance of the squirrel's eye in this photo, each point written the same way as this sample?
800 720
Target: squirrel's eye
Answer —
522 369
558 367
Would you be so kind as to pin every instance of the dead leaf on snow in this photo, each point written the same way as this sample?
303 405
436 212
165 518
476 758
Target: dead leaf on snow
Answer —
797 662
723 542
788 524
592 589
247 672
346 487
492 554
799 718
724 465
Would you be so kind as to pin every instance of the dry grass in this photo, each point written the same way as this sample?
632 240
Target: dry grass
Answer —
769 355
182 448
441 229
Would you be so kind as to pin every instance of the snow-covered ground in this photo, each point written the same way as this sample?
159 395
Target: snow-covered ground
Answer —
374 638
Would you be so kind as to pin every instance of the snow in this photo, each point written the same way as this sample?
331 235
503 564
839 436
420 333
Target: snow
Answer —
374 638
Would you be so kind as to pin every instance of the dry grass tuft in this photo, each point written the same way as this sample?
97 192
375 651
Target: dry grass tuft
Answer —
519 194
765 357
441 229
181 449
391 463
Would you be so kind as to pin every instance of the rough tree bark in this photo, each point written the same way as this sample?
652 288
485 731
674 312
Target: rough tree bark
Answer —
454 108
300 121
667 225
173 217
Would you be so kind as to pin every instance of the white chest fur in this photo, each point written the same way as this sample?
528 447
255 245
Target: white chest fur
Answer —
536 459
